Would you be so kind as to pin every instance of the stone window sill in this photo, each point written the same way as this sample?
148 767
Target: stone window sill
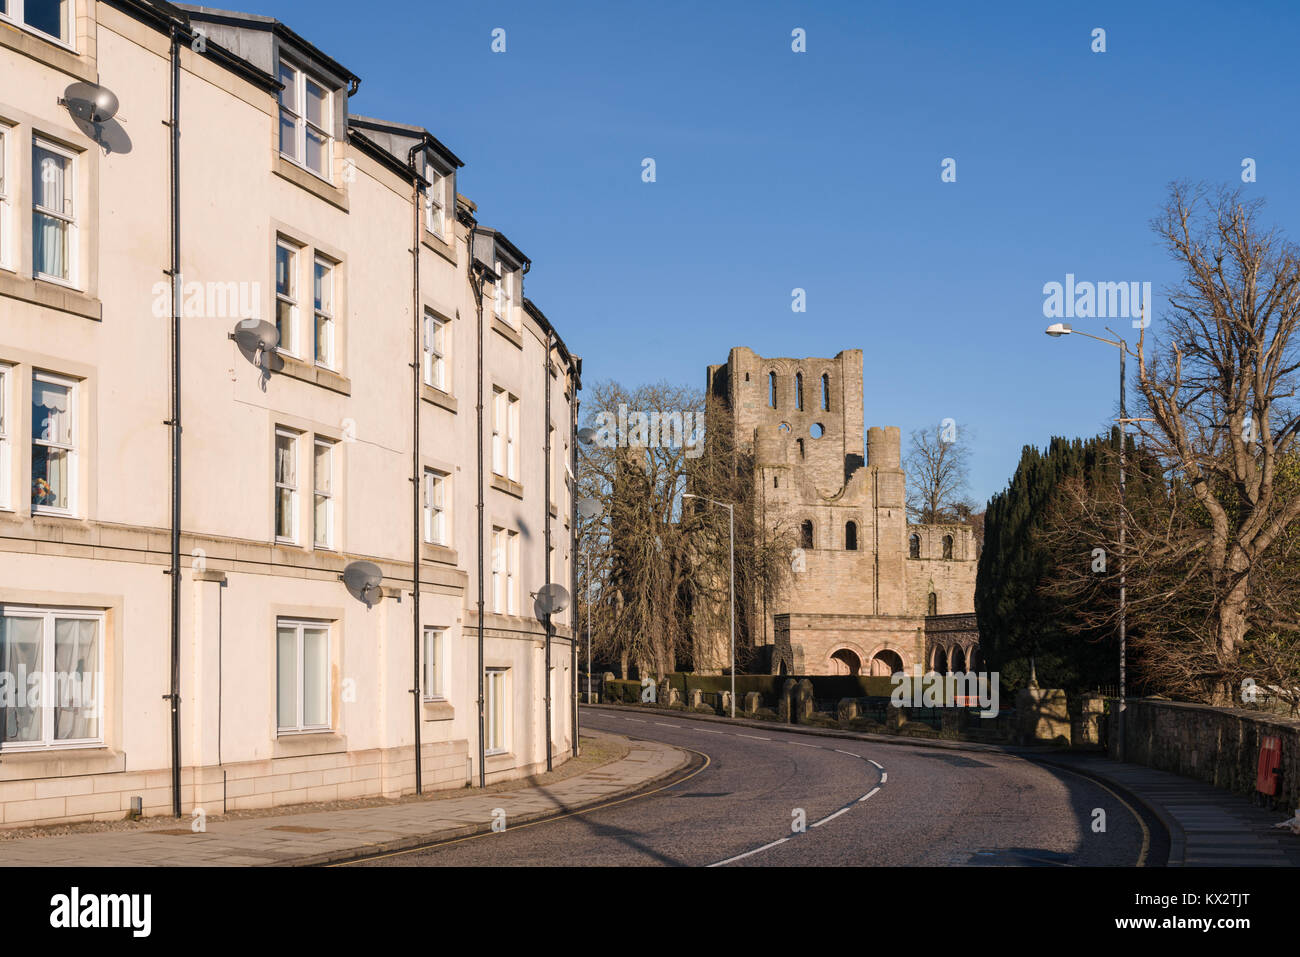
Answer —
298 745
310 182
508 331
439 553
51 295
308 372
49 52
503 484
24 765
438 711
439 398
439 246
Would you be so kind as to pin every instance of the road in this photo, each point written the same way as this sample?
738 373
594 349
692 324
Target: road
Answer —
861 803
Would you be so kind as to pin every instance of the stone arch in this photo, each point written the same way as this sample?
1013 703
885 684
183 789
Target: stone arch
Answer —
973 659
914 545
932 604
851 536
947 547
798 391
807 534
845 661
940 660
958 660
826 392
886 662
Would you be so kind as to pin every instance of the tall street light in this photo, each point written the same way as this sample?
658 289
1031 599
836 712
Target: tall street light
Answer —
1056 330
731 519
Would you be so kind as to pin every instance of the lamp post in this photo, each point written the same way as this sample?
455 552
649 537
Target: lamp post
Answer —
1056 330
731 521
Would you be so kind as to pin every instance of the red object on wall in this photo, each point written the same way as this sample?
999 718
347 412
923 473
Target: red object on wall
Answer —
1270 763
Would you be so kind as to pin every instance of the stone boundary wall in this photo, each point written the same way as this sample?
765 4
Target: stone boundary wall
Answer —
1217 745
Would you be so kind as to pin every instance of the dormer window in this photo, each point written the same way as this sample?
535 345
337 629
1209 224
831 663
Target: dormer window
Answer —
506 293
50 18
306 120
435 203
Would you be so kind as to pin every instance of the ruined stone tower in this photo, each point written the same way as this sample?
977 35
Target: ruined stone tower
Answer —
865 580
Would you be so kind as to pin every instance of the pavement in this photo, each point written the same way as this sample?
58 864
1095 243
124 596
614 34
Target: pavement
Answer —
326 837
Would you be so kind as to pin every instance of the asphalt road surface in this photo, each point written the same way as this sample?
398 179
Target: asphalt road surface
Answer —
860 803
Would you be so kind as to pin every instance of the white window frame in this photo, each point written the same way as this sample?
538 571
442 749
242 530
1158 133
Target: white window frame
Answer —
326 495
291 487
435 203
499 399
6 430
434 358
50 615
499 556
437 514
434 665
324 357
512 438
505 294
68 219
300 625
71 447
289 333
14 13
496 727
298 112
6 205
512 572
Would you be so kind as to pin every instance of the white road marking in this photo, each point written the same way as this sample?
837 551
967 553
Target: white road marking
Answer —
879 766
884 776
849 753
638 720
754 736
756 850
709 731
868 794
660 724
831 817
802 745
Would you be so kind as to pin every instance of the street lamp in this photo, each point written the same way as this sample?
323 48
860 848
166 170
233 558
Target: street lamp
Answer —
731 519
1056 330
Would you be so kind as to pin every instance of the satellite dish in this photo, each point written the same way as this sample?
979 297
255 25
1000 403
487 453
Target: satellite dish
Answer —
551 599
90 102
587 435
589 507
257 340
362 580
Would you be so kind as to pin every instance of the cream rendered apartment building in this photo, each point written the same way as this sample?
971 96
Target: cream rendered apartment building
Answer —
220 661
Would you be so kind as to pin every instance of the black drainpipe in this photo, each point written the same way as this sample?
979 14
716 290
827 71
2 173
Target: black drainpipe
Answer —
417 378
546 508
476 287
174 697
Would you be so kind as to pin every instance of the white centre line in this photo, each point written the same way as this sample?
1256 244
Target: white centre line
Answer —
868 794
638 720
754 736
756 850
879 766
709 731
849 753
660 724
884 776
831 817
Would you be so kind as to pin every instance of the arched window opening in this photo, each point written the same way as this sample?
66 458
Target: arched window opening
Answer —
771 389
776 483
798 391
851 536
826 393
947 546
799 442
914 546
806 533
932 604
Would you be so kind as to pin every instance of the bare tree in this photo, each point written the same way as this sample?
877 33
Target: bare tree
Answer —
1213 549
938 474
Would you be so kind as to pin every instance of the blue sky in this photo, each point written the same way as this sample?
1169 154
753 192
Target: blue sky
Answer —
821 170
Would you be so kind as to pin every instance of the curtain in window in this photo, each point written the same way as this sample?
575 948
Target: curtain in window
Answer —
20 656
76 680
50 235
51 422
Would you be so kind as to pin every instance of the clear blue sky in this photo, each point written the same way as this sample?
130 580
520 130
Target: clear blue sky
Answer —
821 170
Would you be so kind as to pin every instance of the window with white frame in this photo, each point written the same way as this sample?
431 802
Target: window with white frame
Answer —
53 660
435 203
306 121
505 434
6 229
436 531
495 710
505 571
286 296
54 444
302 686
323 307
323 494
506 293
54 212
286 485
435 352
434 649
53 18
5 375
